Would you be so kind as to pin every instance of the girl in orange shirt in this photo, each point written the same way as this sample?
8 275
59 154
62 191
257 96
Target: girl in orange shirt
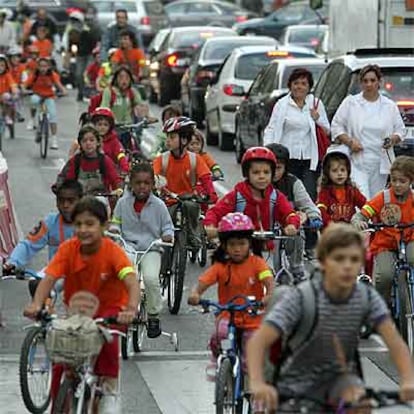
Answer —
8 90
236 271
44 45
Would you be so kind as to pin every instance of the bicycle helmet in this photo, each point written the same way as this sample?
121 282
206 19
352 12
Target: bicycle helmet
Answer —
183 126
235 225
102 112
257 154
337 151
15 51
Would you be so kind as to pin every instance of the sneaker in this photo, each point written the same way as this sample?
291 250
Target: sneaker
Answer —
54 143
109 404
30 125
154 327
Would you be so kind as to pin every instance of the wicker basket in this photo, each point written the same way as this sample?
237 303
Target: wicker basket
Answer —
73 340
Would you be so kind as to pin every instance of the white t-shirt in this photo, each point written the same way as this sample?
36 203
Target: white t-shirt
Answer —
373 130
296 132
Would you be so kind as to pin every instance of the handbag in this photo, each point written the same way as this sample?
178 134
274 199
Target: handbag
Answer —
322 138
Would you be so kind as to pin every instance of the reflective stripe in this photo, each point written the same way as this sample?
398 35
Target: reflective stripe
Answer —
125 272
116 220
120 155
370 211
265 274
215 167
322 206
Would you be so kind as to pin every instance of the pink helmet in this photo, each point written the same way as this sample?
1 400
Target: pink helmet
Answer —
235 223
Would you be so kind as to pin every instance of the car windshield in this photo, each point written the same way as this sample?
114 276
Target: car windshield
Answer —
111 6
219 50
397 83
248 66
309 36
316 71
193 39
154 7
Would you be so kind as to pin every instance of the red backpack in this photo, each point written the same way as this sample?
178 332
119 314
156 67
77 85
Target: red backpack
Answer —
95 101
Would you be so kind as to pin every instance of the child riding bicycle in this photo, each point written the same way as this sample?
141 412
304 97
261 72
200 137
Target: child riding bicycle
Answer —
42 83
141 218
237 271
394 205
95 264
183 170
9 90
325 367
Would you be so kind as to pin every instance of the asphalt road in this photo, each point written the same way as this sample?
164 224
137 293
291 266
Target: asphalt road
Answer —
159 380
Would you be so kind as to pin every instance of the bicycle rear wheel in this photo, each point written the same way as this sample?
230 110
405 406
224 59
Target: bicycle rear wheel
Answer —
44 135
36 397
176 278
224 392
126 344
202 253
138 334
405 306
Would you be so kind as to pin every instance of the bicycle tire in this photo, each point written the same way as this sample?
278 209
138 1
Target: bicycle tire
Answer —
125 344
193 256
224 390
1 133
65 402
44 136
176 280
138 334
30 338
404 304
202 253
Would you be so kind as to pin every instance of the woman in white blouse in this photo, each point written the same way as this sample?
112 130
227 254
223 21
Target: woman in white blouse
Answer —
292 124
362 122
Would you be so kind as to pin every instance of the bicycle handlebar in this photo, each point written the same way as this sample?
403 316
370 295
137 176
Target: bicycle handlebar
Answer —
230 306
118 237
187 197
19 273
140 124
380 226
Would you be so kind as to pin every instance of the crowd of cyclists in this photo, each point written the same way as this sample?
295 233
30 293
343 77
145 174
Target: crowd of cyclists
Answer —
106 181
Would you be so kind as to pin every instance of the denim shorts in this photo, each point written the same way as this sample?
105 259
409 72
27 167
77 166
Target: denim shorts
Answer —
50 105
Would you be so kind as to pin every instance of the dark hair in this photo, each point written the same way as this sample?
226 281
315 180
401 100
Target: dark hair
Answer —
326 165
71 185
114 81
200 136
91 205
336 236
405 165
370 68
85 118
125 11
131 36
219 255
300 73
88 128
141 167
172 108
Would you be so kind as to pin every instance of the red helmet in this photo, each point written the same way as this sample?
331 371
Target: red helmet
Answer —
102 112
257 154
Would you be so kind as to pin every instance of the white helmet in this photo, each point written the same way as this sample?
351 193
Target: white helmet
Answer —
7 12
78 15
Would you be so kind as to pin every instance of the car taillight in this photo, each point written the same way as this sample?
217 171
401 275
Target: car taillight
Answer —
172 60
145 20
233 90
241 18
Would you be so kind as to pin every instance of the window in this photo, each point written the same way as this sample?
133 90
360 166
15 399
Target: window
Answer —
200 8
129 6
268 82
154 8
248 66
291 13
176 8
305 36
254 89
227 8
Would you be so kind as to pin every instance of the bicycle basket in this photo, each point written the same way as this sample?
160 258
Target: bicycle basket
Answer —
73 340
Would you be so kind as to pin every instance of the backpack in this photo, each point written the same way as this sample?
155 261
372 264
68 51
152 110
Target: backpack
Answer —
101 158
165 157
95 101
282 349
241 204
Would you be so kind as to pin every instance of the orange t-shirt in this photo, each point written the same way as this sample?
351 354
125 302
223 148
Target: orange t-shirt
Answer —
101 273
387 239
6 83
208 159
42 85
134 58
45 47
239 279
17 72
178 173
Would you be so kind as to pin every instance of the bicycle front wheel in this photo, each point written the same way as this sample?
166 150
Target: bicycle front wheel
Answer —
35 371
2 128
202 253
138 334
126 344
44 135
176 279
224 393
404 306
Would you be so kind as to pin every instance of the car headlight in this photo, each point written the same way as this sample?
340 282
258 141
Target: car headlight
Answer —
154 66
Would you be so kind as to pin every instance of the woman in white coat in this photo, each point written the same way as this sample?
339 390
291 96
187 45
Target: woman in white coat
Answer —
363 122
292 124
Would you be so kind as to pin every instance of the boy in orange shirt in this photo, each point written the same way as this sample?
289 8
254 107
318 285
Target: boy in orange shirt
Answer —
31 62
8 87
43 44
95 264
394 205
42 83
129 54
236 271
183 170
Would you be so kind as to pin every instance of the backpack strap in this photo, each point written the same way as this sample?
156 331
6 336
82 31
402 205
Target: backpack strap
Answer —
193 168
240 203
272 204
165 156
77 161
102 166
387 196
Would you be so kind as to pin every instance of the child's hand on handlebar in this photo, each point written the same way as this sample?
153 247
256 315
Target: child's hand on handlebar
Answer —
211 232
407 390
265 397
290 230
126 316
194 299
32 310
360 225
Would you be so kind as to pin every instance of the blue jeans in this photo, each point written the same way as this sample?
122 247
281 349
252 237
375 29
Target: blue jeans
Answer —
50 105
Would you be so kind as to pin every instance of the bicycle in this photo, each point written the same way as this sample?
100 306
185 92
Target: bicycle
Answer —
230 397
36 398
402 290
132 342
42 128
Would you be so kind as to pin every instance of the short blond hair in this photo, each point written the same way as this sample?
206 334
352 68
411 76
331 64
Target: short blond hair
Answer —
404 164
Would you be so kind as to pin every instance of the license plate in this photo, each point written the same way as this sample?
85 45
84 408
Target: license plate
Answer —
182 62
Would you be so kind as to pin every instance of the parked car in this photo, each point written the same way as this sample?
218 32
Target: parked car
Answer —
341 78
205 65
208 12
231 83
269 86
306 35
274 23
175 55
147 16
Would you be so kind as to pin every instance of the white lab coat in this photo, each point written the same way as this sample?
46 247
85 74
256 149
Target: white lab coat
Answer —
274 130
369 173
